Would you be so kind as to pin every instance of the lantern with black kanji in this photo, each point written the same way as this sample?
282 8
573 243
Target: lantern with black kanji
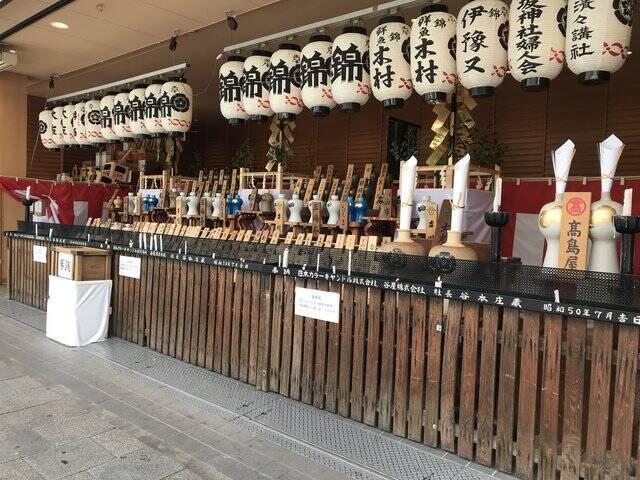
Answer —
121 110
389 55
285 77
231 106
536 41
481 52
106 108
93 121
136 110
67 124
433 53
255 86
598 36
57 114
152 109
315 66
79 127
177 112
350 80
45 121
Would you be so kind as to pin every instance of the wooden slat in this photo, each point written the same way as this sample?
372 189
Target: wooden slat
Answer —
401 384
434 362
246 327
220 313
188 315
449 376
182 280
296 353
346 344
227 322
199 289
469 379
276 333
357 365
166 325
320 357
333 360
211 316
175 307
417 367
236 329
266 293
255 327
372 380
287 336
387 361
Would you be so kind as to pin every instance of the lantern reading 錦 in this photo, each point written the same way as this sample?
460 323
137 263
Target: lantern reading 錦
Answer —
481 53
230 78
106 108
285 95
45 121
67 124
433 53
176 113
79 127
315 66
255 86
57 114
121 111
350 80
136 111
389 55
152 109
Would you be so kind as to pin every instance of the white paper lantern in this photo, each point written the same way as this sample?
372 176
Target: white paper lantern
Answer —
433 53
45 121
79 127
598 36
176 105
136 111
121 112
67 124
481 53
93 121
106 108
230 83
286 79
350 80
536 42
255 86
389 55
152 109
315 69
57 114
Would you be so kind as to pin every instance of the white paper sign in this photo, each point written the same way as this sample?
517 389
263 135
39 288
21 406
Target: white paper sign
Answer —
317 304
65 265
40 253
129 267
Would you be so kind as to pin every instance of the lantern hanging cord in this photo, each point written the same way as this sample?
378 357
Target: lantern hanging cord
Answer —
213 72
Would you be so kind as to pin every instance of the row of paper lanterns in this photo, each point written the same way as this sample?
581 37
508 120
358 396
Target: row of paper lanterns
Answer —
477 49
147 110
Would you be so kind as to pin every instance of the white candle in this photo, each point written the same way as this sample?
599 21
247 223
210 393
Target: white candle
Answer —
626 207
144 241
460 185
497 197
285 258
161 248
36 229
50 232
140 240
28 194
349 266
185 247
407 186
318 262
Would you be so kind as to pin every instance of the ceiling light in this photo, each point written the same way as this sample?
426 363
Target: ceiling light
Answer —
59 25
12 51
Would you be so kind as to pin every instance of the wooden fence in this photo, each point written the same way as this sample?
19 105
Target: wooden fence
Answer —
530 394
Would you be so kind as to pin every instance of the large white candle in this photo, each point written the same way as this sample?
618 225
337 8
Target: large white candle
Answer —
610 151
407 186
497 197
460 185
561 159
626 207
28 194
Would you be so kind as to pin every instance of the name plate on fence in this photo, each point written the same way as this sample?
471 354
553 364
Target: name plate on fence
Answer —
129 267
65 265
317 304
40 253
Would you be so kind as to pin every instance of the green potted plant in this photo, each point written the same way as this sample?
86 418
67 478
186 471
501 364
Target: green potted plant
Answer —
279 154
485 149
243 156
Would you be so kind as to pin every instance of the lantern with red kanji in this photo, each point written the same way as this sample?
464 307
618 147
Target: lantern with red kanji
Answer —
389 56
350 80
285 82
106 108
176 106
67 124
315 66
136 110
536 42
481 52
121 110
230 78
57 115
433 53
152 118
78 122
598 37
45 121
255 86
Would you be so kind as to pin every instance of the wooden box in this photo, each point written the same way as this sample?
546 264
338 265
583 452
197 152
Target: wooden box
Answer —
81 263
113 172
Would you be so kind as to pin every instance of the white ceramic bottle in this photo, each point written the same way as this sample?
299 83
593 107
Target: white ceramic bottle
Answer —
422 213
184 199
193 205
215 206
333 207
207 204
316 199
295 208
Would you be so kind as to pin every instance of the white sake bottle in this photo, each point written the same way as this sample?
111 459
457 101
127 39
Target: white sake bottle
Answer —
333 207
207 204
215 206
316 199
193 205
422 213
295 208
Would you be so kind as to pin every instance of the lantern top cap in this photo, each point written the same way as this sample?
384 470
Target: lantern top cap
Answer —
354 29
436 7
177 79
236 58
319 38
391 19
141 85
262 53
289 46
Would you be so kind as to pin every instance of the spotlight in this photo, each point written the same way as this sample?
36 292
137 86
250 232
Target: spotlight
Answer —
52 84
232 22
219 56
173 44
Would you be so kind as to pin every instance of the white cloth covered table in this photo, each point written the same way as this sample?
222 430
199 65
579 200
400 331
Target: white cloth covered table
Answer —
78 312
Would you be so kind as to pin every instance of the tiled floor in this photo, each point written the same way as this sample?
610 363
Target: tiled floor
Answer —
118 411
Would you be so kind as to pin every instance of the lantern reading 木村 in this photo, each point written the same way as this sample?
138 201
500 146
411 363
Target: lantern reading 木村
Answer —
152 109
45 121
136 111
536 41
350 80
177 112
121 111
481 53
285 94
67 124
433 53
389 55
93 121
106 108
255 86
315 67
231 73
56 125
598 36
79 127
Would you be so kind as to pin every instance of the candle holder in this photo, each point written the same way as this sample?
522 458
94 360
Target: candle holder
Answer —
454 247
27 209
627 226
496 220
404 244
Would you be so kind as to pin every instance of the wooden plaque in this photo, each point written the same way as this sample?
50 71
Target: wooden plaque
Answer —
574 230
431 219
300 239
372 244
343 220
264 237
328 241
308 192
339 241
289 238
279 218
362 244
